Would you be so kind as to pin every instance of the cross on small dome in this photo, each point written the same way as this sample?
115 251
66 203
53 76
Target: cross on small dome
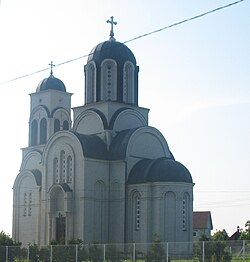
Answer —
112 22
51 67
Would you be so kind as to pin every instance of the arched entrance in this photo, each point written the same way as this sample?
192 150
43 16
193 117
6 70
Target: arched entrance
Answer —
60 215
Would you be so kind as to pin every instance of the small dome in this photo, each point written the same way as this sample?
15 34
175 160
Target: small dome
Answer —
111 50
51 83
159 170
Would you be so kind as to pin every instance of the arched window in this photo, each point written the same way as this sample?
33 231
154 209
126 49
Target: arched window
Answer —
91 83
34 130
69 169
43 131
56 171
185 211
63 166
56 125
65 125
128 83
170 216
109 80
136 209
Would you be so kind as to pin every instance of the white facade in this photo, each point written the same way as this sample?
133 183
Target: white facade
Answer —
105 176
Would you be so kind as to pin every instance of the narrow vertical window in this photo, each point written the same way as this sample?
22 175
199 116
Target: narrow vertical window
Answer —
185 211
25 204
109 80
63 167
128 83
30 203
56 125
65 125
90 83
56 171
43 131
34 129
137 213
69 169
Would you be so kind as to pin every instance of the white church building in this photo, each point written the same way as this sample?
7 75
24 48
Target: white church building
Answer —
103 175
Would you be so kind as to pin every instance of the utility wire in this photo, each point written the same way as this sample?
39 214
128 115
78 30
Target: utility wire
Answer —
132 39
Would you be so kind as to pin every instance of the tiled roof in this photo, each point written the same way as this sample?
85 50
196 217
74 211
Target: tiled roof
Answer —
202 219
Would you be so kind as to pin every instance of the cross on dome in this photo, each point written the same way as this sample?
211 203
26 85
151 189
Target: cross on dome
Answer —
112 22
51 67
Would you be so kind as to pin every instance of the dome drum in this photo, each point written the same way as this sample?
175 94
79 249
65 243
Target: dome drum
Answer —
111 74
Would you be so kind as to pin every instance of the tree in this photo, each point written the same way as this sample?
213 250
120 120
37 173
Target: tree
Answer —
245 234
220 235
6 240
156 252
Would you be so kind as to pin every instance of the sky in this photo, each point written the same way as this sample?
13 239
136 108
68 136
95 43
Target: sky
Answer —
193 77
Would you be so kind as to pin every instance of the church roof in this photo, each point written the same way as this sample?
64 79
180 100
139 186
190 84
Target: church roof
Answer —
51 82
119 144
92 146
111 50
159 170
38 176
202 220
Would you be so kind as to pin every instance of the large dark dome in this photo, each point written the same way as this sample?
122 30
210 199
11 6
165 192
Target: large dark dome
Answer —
111 50
159 170
51 83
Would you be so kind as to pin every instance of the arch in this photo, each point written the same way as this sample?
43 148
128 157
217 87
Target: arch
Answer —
43 131
127 118
39 112
31 160
90 71
56 199
34 133
108 80
185 211
97 122
169 216
129 83
131 143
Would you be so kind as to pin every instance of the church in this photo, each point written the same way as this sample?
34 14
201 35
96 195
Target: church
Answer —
103 175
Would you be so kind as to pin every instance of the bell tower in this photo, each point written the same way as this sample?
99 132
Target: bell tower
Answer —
50 110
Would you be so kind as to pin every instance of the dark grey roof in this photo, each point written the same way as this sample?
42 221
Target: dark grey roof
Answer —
159 170
51 83
111 50
119 144
93 146
38 176
65 187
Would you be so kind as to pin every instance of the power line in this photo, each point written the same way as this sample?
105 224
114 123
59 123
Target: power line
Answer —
132 39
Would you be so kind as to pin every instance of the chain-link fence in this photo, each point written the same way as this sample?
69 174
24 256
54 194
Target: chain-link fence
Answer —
209 251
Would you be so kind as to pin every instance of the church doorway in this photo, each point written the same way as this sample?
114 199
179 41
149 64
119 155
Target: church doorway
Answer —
60 229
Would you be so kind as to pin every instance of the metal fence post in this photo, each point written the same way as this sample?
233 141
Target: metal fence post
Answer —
104 252
203 251
76 252
6 253
50 253
28 254
167 251
133 252
244 249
